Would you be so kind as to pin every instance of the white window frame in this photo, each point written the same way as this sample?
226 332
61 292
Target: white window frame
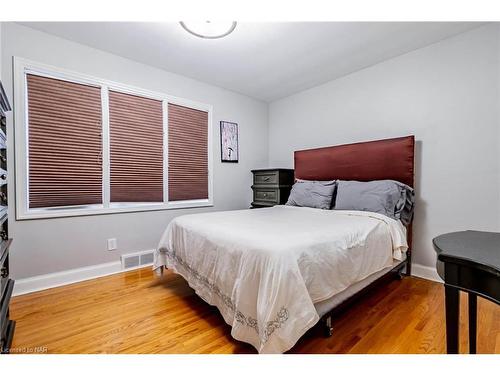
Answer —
21 68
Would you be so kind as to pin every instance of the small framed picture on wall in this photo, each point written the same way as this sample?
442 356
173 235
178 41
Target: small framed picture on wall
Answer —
229 142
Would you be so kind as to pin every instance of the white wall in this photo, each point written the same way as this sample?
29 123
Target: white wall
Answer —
50 245
447 95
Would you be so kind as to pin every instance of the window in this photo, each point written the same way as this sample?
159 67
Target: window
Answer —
187 147
136 148
94 146
65 144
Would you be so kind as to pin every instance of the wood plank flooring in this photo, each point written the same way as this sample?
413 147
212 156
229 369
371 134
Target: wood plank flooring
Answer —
137 312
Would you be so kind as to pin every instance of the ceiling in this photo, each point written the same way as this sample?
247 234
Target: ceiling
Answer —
266 61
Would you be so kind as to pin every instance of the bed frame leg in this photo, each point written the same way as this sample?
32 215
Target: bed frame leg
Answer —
328 326
408 263
404 271
401 274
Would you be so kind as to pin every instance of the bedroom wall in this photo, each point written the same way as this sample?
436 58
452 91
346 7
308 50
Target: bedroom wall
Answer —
51 245
447 94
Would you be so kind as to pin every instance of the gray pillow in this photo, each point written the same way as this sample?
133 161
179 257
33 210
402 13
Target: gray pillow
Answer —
391 198
408 202
314 194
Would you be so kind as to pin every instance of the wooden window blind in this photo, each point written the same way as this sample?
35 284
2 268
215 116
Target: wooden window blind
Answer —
136 148
65 145
187 153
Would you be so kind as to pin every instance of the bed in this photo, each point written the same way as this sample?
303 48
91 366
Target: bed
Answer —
273 273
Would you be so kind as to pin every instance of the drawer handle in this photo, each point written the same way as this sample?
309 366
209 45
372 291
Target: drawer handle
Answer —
3 235
265 195
4 177
4 273
266 178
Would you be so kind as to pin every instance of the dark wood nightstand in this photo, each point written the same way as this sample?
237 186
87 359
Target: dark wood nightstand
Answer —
271 186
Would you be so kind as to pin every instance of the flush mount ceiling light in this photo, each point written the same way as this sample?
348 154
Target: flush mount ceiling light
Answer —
208 29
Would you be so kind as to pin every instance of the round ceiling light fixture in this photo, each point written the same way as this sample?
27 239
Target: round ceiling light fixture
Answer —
209 30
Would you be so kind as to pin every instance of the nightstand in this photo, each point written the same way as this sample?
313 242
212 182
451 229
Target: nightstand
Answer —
271 186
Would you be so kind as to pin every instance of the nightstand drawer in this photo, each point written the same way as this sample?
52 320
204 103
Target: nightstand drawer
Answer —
265 195
266 178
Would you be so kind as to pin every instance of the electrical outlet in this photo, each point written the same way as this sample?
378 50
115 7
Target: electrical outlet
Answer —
112 244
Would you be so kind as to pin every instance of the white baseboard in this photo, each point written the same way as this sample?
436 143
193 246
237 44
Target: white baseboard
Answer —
425 272
52 280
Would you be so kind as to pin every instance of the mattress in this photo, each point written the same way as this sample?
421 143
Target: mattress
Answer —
266 269
328 304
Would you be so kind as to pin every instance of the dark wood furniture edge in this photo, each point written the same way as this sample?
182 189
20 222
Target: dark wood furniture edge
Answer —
262 204
8 326
446 256
471 291
472 306
452 298
11 324
443 257
452 314
11 327
271 186
271 169
6 297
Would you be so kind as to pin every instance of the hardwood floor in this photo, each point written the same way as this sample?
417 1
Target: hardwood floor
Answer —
137 312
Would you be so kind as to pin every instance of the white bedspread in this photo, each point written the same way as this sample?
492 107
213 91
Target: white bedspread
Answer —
265 268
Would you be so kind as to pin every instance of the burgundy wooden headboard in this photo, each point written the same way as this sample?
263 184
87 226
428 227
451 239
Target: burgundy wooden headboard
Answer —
387 159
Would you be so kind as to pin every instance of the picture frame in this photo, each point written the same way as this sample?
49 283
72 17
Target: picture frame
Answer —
229 146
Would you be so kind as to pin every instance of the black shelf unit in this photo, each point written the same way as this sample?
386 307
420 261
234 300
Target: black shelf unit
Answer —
7 326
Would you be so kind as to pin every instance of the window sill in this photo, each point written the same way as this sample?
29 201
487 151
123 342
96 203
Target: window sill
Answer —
91 210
